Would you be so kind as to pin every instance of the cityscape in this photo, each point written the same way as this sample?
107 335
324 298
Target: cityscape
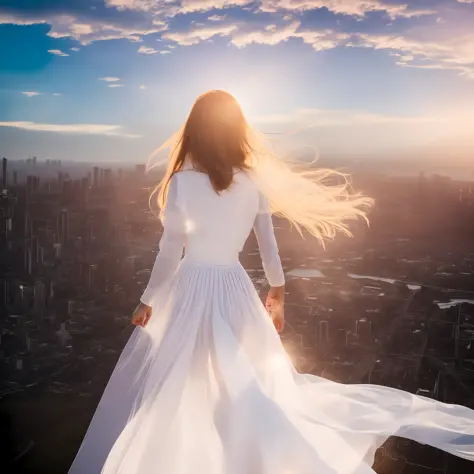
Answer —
393 306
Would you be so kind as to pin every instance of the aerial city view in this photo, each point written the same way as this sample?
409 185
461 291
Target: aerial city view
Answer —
391 307
96 108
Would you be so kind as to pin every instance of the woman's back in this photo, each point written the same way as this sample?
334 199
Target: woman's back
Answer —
216 225
204 384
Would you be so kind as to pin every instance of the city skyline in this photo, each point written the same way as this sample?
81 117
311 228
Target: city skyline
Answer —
110 80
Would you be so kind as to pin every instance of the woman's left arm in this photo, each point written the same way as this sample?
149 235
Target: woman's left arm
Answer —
170 247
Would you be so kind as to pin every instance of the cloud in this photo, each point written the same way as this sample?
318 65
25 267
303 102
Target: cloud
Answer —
109 79
217 17
78 21
146 50
31 94
57 52
309 118
56 94
140 5
319 40
197 35
115 85
188 6
75 49
9 19
452 53
142 87
345 7
80 129
270 35
98 31
466 1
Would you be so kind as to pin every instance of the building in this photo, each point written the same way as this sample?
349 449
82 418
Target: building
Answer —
96 177
63 227
364 330
4 173
39 299
323 333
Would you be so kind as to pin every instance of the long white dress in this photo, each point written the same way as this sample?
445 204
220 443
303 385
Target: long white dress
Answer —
207 388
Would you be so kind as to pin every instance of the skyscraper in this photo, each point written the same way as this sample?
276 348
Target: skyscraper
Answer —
323 332
96 176
4 173
364 330
108 177
28 261
92 276
63 230
27 225
39 299
4 288
63 335
57 250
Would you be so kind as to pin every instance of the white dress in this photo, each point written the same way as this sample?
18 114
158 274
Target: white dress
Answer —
207 388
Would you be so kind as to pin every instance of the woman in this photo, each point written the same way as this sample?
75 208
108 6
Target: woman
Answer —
204 385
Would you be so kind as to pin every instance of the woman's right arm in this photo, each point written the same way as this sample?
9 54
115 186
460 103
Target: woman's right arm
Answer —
267 244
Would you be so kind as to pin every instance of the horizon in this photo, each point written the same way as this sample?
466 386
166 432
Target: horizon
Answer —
110 80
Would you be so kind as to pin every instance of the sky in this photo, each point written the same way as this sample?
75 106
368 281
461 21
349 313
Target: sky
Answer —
110 80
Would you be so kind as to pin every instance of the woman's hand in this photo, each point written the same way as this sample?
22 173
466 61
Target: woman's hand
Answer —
141 315
275 305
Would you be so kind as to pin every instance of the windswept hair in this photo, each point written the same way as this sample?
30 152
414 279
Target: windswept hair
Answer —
217 140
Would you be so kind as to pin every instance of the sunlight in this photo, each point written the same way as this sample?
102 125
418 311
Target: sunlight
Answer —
243 98
277 362
190 226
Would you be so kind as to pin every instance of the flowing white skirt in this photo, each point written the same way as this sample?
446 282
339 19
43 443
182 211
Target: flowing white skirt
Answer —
207 388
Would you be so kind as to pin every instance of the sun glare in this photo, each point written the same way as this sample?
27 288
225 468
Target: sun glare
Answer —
243 99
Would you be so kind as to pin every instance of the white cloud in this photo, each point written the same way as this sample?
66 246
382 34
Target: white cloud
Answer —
270 35
196 35
31 94
6 19
57 52
217 17
115 85
309 118
109 79
143 5
98 31
146 50
81 29
89 30
56 94
466 1
319 40
345 7
206 5
142 87
165 51
75 49
452 53
82 129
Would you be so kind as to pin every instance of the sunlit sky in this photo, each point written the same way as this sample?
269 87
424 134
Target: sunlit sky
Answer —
97 80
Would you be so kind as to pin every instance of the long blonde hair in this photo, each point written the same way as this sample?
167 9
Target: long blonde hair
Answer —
216 139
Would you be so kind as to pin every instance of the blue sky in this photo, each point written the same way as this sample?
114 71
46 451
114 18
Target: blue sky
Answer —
109 80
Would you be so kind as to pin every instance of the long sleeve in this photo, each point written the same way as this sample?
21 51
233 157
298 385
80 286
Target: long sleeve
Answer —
170 247
267 244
